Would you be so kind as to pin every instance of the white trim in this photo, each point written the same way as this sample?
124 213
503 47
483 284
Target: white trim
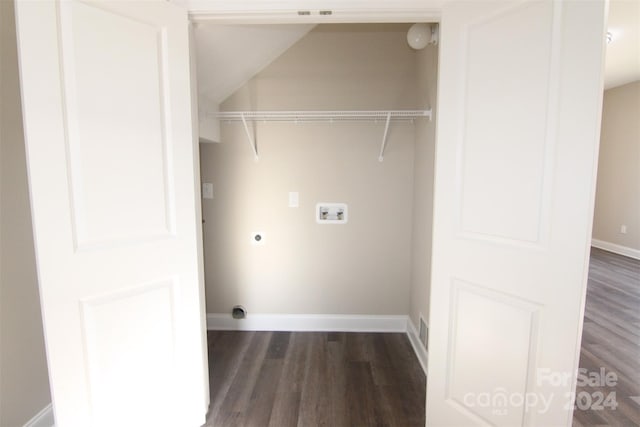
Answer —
418 348
286 11
308 322
44 418
616 249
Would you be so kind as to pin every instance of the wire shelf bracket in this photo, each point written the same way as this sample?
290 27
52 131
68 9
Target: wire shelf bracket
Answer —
252 143
384 138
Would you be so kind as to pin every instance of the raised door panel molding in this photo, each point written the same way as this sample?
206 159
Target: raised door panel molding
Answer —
505 170
102 154
140 318
493 340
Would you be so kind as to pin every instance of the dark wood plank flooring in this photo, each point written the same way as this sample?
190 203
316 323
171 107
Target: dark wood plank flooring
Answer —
333 379
611 339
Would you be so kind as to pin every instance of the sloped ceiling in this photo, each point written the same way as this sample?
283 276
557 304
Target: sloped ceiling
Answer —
229 55
623 53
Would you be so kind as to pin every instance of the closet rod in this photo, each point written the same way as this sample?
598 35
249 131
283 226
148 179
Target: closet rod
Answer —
327 115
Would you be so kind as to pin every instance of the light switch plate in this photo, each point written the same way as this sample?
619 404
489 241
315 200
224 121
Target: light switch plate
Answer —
207 190
294 199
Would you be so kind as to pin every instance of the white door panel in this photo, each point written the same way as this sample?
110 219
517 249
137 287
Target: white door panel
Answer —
110 147
518 129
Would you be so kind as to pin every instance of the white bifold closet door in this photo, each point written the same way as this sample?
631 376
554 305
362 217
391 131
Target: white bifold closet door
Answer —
520 88
111 152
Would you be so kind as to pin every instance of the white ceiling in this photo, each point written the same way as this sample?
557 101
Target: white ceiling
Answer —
623 53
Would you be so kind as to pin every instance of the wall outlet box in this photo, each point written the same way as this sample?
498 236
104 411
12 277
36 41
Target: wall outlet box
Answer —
331 213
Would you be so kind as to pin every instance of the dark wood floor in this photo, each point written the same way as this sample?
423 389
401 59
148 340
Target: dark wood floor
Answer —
333 379
611 338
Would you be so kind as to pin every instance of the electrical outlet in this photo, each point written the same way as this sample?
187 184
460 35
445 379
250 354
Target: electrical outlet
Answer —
207 190
623 229
294 199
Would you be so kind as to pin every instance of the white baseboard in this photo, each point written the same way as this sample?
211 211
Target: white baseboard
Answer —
418 348
616 249
309 322
44 418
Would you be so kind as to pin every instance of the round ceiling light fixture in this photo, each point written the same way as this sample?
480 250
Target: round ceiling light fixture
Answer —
420 35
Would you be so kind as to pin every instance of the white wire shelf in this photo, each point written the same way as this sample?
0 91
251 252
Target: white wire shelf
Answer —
326 116
385 116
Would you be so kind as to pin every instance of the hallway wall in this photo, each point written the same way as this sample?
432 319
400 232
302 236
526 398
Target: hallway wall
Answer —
618 187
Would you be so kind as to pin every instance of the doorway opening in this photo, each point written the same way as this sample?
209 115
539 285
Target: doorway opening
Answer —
295 119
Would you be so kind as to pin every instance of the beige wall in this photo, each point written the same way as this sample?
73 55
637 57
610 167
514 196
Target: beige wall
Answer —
618 187
423 189
363 267
24 384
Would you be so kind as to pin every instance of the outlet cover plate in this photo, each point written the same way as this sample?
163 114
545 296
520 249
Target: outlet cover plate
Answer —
207 190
